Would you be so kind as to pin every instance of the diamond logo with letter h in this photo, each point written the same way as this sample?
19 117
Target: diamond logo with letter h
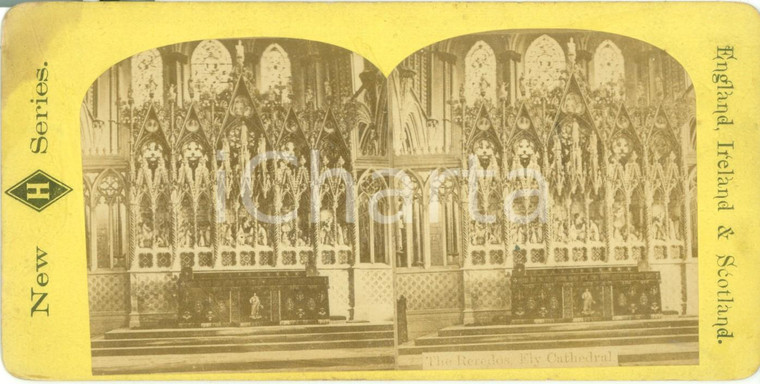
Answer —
38 190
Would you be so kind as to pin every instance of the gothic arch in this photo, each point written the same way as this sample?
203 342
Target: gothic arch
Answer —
441 216
625 153
414 139
662 129
410 249
152 144
97 187
376 246
194 157
371 139
108 220
484 130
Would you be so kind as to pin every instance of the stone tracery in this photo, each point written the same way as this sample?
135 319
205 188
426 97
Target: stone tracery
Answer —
202 187
568 160
608 171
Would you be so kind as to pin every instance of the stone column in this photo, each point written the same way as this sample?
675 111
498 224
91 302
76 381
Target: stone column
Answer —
468 315
134 312
643 263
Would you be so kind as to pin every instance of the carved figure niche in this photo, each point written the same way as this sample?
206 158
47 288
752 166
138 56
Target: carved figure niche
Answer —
292 197
576 184
193 185
243 187
486 214
151 191
626 184
668 203
335 228
524 207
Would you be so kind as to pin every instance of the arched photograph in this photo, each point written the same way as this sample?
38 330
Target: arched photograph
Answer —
510 199
219 208
551 202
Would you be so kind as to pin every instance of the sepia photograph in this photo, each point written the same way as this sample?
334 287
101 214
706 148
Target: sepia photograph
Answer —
220 216
553 203
511 199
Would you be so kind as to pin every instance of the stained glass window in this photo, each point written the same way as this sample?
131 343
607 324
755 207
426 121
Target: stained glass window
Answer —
544 63
147 76
480 73
609 66
275 71
211 65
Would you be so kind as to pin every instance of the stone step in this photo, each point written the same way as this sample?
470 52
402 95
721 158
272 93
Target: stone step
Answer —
247 331
269 361
556 335
549 344
255 347
464 330
244 339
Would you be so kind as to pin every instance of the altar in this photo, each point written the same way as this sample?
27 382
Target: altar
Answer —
584 294
216 299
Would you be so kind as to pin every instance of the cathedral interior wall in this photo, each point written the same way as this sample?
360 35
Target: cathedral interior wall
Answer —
605 120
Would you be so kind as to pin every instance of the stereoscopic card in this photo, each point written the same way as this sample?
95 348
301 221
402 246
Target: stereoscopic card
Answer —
380 191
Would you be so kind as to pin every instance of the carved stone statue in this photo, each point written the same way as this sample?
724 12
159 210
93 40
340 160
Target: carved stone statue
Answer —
146 235
256 307
239 54
144 174
560 231
185 173
593 151
536 235
286 236
160 176
341 236
325 230
588 302
201 173
204 236
186 235
658 222
227 235
261 236
671 168
577 151
618 220
632 170
571 51
593 231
